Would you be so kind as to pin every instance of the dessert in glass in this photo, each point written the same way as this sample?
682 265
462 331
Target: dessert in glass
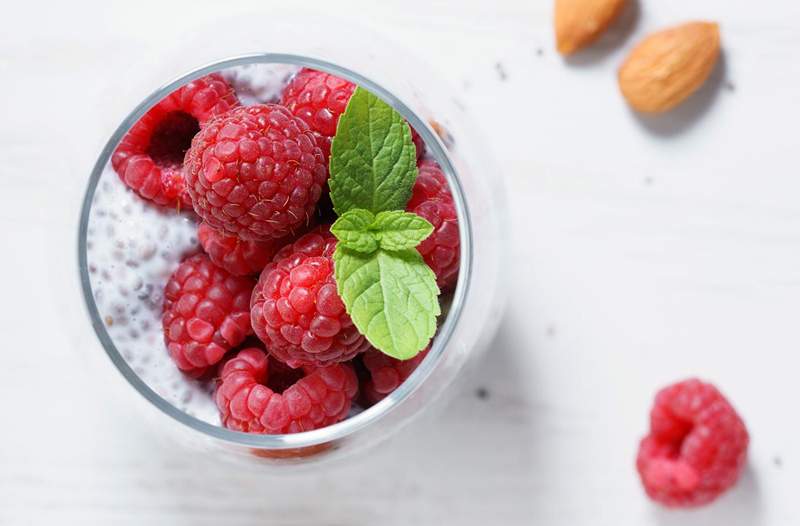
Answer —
287 259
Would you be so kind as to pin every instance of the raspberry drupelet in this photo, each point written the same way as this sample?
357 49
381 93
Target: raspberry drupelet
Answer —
320 98
240 257
296 310
206 314
255 172
149 158
432 200
385 374
249 401
696 448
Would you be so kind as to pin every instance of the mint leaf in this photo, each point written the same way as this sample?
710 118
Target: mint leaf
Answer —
398 230
391 298
373 160
352 230
362 231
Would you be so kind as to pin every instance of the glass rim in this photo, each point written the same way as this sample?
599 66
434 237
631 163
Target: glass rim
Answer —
350 425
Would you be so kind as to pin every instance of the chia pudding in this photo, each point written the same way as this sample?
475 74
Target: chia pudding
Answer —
132 249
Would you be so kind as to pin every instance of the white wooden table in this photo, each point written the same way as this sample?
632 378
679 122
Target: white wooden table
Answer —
644 251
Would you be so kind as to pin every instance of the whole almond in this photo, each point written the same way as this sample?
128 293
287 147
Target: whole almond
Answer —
668 66
579 22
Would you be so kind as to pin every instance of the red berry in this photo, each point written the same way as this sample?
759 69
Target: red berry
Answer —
386 373
696 448
296 310
432 200
206 313
240 257
255 172
320 98
248 402
149 158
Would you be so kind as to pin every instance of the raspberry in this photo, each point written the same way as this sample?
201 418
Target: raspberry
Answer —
696 448
240 257
386 373
249 402
432 200
296 311
320 98
205 314
255 172
149 157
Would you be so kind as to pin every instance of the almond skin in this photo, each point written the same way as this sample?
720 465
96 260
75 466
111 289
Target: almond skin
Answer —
668 66
579 22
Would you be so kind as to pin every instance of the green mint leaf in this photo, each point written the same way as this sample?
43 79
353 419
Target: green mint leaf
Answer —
398 230
352 230
373 160
362 231
391 298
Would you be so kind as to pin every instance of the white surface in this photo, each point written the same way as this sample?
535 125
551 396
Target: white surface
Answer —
645 251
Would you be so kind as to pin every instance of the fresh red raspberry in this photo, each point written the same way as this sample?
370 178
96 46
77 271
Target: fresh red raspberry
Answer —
386 373
149 157
255 172
297 312
696 448
320 98
206 314
240 257
249 402
432 200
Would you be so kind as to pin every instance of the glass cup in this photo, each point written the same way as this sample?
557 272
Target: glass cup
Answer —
128 247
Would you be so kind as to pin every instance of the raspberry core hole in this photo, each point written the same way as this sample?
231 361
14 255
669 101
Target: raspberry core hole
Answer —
680 430
171 138
671 471
280 379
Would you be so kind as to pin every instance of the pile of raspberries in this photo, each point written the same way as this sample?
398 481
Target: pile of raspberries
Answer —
258 310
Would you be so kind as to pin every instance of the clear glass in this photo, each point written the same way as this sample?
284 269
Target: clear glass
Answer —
464 331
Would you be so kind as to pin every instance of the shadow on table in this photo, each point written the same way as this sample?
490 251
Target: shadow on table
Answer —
474 460
741 507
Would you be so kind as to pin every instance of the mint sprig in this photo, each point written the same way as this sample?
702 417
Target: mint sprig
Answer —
389 291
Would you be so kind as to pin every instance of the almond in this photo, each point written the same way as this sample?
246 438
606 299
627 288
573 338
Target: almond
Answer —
668 66
579 22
